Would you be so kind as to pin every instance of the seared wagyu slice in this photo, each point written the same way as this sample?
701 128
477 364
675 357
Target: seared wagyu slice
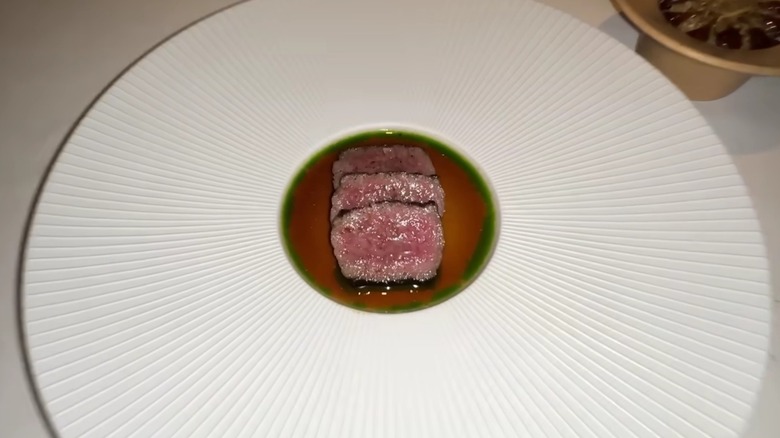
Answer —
382 159
360 190
389 242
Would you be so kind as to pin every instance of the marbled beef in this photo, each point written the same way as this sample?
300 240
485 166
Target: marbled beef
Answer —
380 159
359 190
389 242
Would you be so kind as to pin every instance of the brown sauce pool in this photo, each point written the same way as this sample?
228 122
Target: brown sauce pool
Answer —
469 224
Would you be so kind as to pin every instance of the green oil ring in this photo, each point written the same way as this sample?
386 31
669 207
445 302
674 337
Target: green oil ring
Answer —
482 252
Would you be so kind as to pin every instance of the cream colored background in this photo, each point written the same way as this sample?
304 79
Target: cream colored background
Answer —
56 56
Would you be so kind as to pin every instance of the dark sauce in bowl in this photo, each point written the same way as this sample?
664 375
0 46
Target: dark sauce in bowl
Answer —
469 225
729 24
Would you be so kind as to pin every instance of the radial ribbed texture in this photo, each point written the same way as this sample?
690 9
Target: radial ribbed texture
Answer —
627 295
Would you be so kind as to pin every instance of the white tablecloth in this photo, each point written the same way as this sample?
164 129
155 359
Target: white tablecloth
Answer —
56 56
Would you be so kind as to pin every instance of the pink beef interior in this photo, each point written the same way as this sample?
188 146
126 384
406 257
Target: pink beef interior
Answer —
389 242
361 190
376 159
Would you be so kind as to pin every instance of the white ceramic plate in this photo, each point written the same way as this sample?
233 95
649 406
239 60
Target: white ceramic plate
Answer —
627 295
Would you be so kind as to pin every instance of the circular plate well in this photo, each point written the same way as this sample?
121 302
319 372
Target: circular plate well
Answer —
627 294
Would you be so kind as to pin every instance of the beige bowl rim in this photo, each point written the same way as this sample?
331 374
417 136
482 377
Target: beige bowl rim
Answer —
646 15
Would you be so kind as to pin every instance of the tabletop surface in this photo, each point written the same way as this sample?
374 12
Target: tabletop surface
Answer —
56 57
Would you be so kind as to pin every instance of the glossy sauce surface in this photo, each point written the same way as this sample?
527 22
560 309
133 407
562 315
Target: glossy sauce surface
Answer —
468 223
729 24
